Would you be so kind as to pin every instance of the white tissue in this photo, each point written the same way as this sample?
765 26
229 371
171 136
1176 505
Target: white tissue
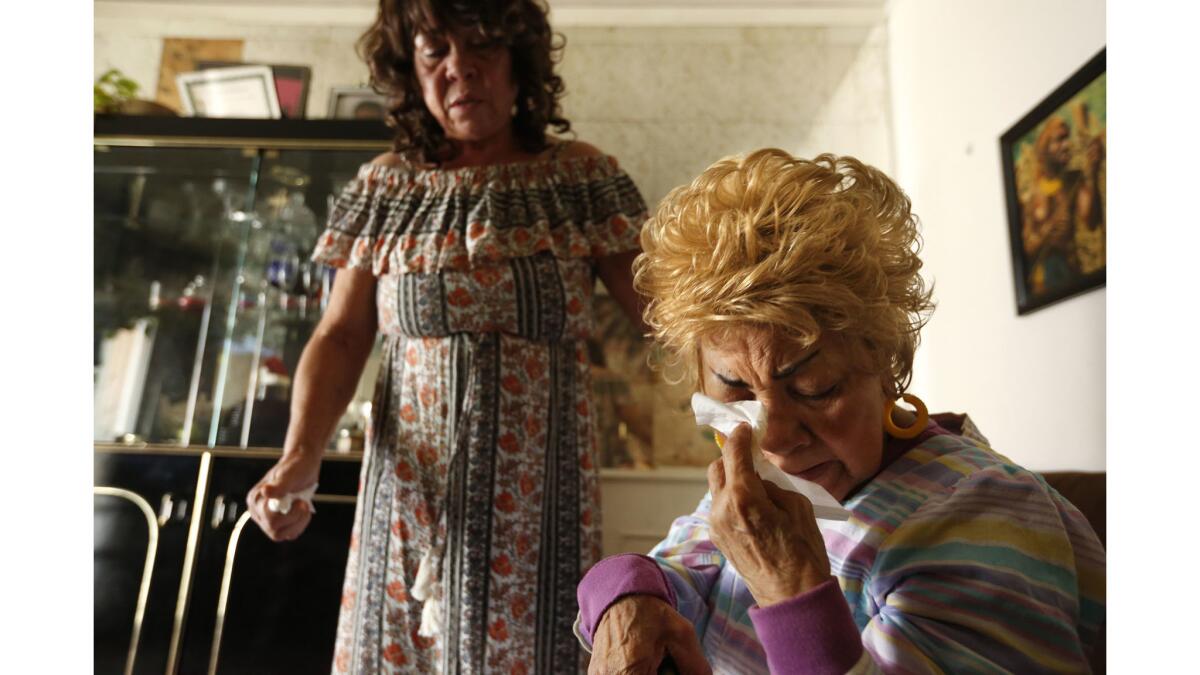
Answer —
284 504
724 417
424 589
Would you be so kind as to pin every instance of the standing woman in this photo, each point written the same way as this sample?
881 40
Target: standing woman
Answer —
473 248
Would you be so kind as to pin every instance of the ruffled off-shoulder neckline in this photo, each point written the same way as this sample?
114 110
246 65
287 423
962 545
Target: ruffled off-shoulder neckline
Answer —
551 168
413 219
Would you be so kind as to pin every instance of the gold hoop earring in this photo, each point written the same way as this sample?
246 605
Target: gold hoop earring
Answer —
907 432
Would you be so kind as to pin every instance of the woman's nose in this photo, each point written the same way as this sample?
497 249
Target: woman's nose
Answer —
785 432
459 65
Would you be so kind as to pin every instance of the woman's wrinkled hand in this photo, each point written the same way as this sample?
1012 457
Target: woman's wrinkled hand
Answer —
292 473
637 632
768 534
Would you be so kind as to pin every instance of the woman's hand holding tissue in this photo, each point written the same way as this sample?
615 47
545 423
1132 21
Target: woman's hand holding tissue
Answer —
291 475
770 535
637 632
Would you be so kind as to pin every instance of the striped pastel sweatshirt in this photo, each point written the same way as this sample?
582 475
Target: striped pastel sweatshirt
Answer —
954 560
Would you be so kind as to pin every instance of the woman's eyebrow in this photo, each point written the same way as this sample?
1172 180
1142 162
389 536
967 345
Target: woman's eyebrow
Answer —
779 375
788 371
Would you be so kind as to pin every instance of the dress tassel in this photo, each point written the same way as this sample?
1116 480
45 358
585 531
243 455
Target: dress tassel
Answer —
425 589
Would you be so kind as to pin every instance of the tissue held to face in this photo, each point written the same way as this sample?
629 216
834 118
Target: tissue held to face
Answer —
824 415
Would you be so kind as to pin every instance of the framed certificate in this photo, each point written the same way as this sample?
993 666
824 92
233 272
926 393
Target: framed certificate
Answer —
291 84
241 91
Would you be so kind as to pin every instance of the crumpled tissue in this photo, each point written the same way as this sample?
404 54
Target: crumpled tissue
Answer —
724 417
284 504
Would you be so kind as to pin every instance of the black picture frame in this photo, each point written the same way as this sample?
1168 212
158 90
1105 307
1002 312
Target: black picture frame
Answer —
1054 184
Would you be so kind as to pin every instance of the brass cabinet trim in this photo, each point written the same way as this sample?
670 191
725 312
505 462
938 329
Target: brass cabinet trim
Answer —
223 598
227 574
189 564
151 552
230 142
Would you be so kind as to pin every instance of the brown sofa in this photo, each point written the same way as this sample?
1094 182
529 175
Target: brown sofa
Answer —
1087 492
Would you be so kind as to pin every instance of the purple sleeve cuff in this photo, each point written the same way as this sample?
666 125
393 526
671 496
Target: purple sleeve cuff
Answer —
810 633
612 579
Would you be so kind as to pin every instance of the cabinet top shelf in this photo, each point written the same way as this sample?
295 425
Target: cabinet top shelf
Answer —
129 130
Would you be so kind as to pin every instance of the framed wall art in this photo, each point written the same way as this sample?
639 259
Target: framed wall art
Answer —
1054 182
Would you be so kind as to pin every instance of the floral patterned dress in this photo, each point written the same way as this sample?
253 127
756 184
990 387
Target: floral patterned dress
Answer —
481 462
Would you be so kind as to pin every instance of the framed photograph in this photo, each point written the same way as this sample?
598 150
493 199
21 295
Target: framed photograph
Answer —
291 84
243 91
1054 183
356 103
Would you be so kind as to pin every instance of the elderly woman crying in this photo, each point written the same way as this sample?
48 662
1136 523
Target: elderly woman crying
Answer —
795 283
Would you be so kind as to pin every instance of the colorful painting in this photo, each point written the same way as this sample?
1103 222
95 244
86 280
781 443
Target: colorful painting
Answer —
1054 174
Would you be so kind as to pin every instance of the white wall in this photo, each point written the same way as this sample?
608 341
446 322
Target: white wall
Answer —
963 71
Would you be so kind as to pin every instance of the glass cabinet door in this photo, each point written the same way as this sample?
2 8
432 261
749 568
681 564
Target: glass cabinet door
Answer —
163 240
204 293
281 295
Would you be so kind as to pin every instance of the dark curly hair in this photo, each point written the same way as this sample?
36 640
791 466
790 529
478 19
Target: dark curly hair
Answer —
521 25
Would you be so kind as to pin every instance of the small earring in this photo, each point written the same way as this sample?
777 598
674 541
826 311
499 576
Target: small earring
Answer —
908 432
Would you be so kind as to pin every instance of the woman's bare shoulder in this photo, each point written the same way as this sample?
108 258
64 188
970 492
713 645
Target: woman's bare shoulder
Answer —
572 149
394 160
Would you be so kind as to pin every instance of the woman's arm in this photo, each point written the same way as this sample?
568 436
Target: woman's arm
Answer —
332 363
616 271
681 571
994 575
325 381
635 609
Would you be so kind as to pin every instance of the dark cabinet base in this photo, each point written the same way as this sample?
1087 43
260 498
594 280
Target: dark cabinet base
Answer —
249 605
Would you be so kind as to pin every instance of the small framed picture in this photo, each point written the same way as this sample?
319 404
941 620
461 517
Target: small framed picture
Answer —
1054 184
291 84
241 91
356 103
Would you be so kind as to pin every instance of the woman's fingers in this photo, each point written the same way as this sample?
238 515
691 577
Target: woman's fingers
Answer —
716 476
271 523
739 463
277 526
291 530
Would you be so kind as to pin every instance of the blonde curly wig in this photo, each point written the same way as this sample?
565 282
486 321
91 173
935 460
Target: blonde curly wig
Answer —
799 247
